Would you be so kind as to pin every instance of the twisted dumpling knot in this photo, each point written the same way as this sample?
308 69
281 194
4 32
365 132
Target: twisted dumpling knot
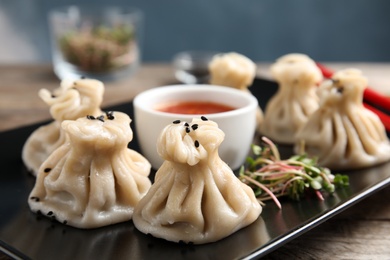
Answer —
189 143
345 86
103 132
74 99
296 69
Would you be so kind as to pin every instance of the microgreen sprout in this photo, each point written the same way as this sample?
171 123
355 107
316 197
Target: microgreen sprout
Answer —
99 49
271 177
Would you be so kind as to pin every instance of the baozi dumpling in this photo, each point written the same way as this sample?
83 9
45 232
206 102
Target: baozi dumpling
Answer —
72 100
342 133
234 70
296 99
93 179
195 197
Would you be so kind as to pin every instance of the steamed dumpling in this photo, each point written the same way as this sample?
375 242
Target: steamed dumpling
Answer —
288 110
195 197
342 133
236 71
72 100
92 179
232 70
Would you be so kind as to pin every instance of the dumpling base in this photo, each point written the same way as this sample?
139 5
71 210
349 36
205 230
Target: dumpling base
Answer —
221 204
65 214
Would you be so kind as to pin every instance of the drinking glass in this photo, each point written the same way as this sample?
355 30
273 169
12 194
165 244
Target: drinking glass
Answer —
191 67
96 42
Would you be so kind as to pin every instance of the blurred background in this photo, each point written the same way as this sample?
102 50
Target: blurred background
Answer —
263 30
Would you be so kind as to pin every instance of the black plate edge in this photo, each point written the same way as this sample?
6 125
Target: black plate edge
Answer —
312 223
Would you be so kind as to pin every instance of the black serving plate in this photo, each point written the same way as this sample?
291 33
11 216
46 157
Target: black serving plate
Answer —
24 234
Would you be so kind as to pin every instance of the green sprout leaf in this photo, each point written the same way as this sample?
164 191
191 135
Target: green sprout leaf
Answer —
256 149
341 180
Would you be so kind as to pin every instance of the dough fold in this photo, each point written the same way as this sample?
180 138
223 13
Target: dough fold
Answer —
296 99
342 133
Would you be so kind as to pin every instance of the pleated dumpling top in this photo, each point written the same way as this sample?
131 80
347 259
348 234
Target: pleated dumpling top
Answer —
72 100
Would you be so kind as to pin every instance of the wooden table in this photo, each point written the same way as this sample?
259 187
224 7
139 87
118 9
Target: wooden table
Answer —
360 232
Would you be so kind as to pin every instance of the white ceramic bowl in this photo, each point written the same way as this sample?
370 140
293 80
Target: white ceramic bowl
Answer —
238 124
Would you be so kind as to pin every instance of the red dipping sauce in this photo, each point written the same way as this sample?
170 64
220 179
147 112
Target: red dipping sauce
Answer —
194 108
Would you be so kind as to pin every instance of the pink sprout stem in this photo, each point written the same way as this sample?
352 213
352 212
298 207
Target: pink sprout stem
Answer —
270 193
273 148
319 195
